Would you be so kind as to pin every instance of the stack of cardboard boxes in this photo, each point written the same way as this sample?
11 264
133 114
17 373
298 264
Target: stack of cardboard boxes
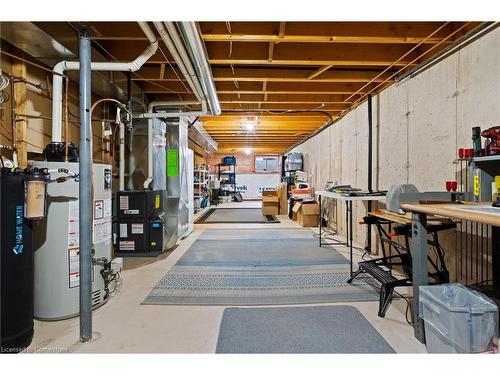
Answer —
270 203
275 202
306 213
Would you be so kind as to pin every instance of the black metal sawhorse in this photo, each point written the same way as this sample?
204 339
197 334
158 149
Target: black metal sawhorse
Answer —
381 268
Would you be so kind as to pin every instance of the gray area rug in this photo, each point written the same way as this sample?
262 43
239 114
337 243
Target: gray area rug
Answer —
259 267
316 329
236 215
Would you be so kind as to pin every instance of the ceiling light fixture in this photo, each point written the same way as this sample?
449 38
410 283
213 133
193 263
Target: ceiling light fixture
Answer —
249 125
248 151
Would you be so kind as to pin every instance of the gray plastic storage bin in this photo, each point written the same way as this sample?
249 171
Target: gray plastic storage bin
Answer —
457 319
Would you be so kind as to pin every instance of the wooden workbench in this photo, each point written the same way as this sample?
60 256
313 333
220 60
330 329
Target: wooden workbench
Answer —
402 219
481 213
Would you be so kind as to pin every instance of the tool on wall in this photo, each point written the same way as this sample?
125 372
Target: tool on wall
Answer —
492 143
476 140
497 192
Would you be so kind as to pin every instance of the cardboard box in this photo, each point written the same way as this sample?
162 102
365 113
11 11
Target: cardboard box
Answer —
306 213
283 195
270 203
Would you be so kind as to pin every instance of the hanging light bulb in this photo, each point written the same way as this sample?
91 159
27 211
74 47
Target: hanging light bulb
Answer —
248 151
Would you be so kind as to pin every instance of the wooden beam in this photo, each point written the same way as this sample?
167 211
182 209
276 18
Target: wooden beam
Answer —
316 102
300 62
331 32
271 52
251 74
363 39
273 132
319 71
263 118
248 107
21 106
294 54
264 89
162 71
282 31
222 92
271 97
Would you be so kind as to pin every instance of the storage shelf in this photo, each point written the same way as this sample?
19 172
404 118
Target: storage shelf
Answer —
226 174
481 159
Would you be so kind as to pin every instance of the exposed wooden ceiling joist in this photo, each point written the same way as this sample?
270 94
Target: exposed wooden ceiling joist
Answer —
316 67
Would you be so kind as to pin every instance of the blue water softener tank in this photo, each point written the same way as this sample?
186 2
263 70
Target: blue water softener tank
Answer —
16 265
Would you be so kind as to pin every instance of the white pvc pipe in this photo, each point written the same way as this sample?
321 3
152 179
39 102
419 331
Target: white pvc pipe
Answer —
121 167
61 67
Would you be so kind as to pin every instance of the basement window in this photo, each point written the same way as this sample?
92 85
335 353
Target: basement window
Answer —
266 164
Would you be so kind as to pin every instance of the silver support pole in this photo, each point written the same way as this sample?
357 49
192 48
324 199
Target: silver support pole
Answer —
85 189
419 266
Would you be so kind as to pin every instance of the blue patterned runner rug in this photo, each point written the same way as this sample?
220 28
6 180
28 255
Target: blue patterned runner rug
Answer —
259 267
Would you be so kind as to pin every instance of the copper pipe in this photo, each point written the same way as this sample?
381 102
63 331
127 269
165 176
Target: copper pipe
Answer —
30 63
66 118
398 60
120 104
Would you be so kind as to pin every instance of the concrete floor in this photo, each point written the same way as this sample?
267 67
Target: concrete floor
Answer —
123 325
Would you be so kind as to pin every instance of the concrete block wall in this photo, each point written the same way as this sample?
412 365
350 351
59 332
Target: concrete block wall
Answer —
418 126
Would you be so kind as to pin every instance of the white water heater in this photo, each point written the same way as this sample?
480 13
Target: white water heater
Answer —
56 243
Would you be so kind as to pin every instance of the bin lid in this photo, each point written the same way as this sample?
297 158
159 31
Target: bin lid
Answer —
457 297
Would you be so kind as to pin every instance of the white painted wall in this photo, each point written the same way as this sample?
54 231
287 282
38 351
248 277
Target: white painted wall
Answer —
418 126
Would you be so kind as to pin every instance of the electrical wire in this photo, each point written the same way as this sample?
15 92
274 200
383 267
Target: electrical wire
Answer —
410 322
372 91
4 81
328 235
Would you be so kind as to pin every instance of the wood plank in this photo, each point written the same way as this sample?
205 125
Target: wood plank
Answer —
340 105
318 97
320 39
250 92
300 62
319 71
150 72
281 34
21 106
315 54
454 211
389 29
271 52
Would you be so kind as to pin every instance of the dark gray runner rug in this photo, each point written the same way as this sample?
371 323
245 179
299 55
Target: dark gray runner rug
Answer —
312 329
236 215
259 267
